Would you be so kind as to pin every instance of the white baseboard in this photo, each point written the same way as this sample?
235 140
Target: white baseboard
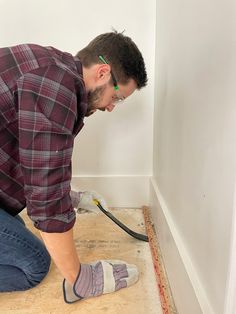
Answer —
189 296
230 296
118 191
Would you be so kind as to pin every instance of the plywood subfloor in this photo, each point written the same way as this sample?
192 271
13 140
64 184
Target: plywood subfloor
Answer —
96 237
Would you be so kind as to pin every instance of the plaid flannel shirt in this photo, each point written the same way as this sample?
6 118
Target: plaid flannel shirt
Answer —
42 105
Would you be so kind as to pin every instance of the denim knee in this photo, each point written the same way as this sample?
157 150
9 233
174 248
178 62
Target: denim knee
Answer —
37 270
24 259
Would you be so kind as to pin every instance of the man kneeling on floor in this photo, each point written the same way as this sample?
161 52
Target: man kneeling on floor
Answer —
44 96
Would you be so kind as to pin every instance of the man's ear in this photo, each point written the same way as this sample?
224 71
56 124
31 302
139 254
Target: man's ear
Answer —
103 74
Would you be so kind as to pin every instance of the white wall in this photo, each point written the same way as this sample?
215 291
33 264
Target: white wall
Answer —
111 144
195 148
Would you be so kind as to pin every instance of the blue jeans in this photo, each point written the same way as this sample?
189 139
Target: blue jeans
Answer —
24 260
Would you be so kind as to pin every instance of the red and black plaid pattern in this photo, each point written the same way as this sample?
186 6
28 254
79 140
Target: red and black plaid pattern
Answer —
42 105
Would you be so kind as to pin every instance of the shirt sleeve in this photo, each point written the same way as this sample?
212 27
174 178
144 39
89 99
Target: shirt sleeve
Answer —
47 114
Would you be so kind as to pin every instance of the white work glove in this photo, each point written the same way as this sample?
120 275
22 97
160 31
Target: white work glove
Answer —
84 200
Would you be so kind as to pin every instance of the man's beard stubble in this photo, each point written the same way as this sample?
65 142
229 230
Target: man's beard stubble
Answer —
94 98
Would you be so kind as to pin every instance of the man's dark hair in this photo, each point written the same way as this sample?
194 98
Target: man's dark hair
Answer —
121 53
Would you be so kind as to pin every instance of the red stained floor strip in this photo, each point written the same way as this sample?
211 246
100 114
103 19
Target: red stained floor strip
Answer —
166 298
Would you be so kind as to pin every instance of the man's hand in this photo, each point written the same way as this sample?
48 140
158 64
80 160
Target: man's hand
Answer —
100 277
85 199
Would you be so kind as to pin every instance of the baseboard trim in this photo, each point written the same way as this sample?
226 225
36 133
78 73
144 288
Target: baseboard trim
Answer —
230 296
130 191
188 293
